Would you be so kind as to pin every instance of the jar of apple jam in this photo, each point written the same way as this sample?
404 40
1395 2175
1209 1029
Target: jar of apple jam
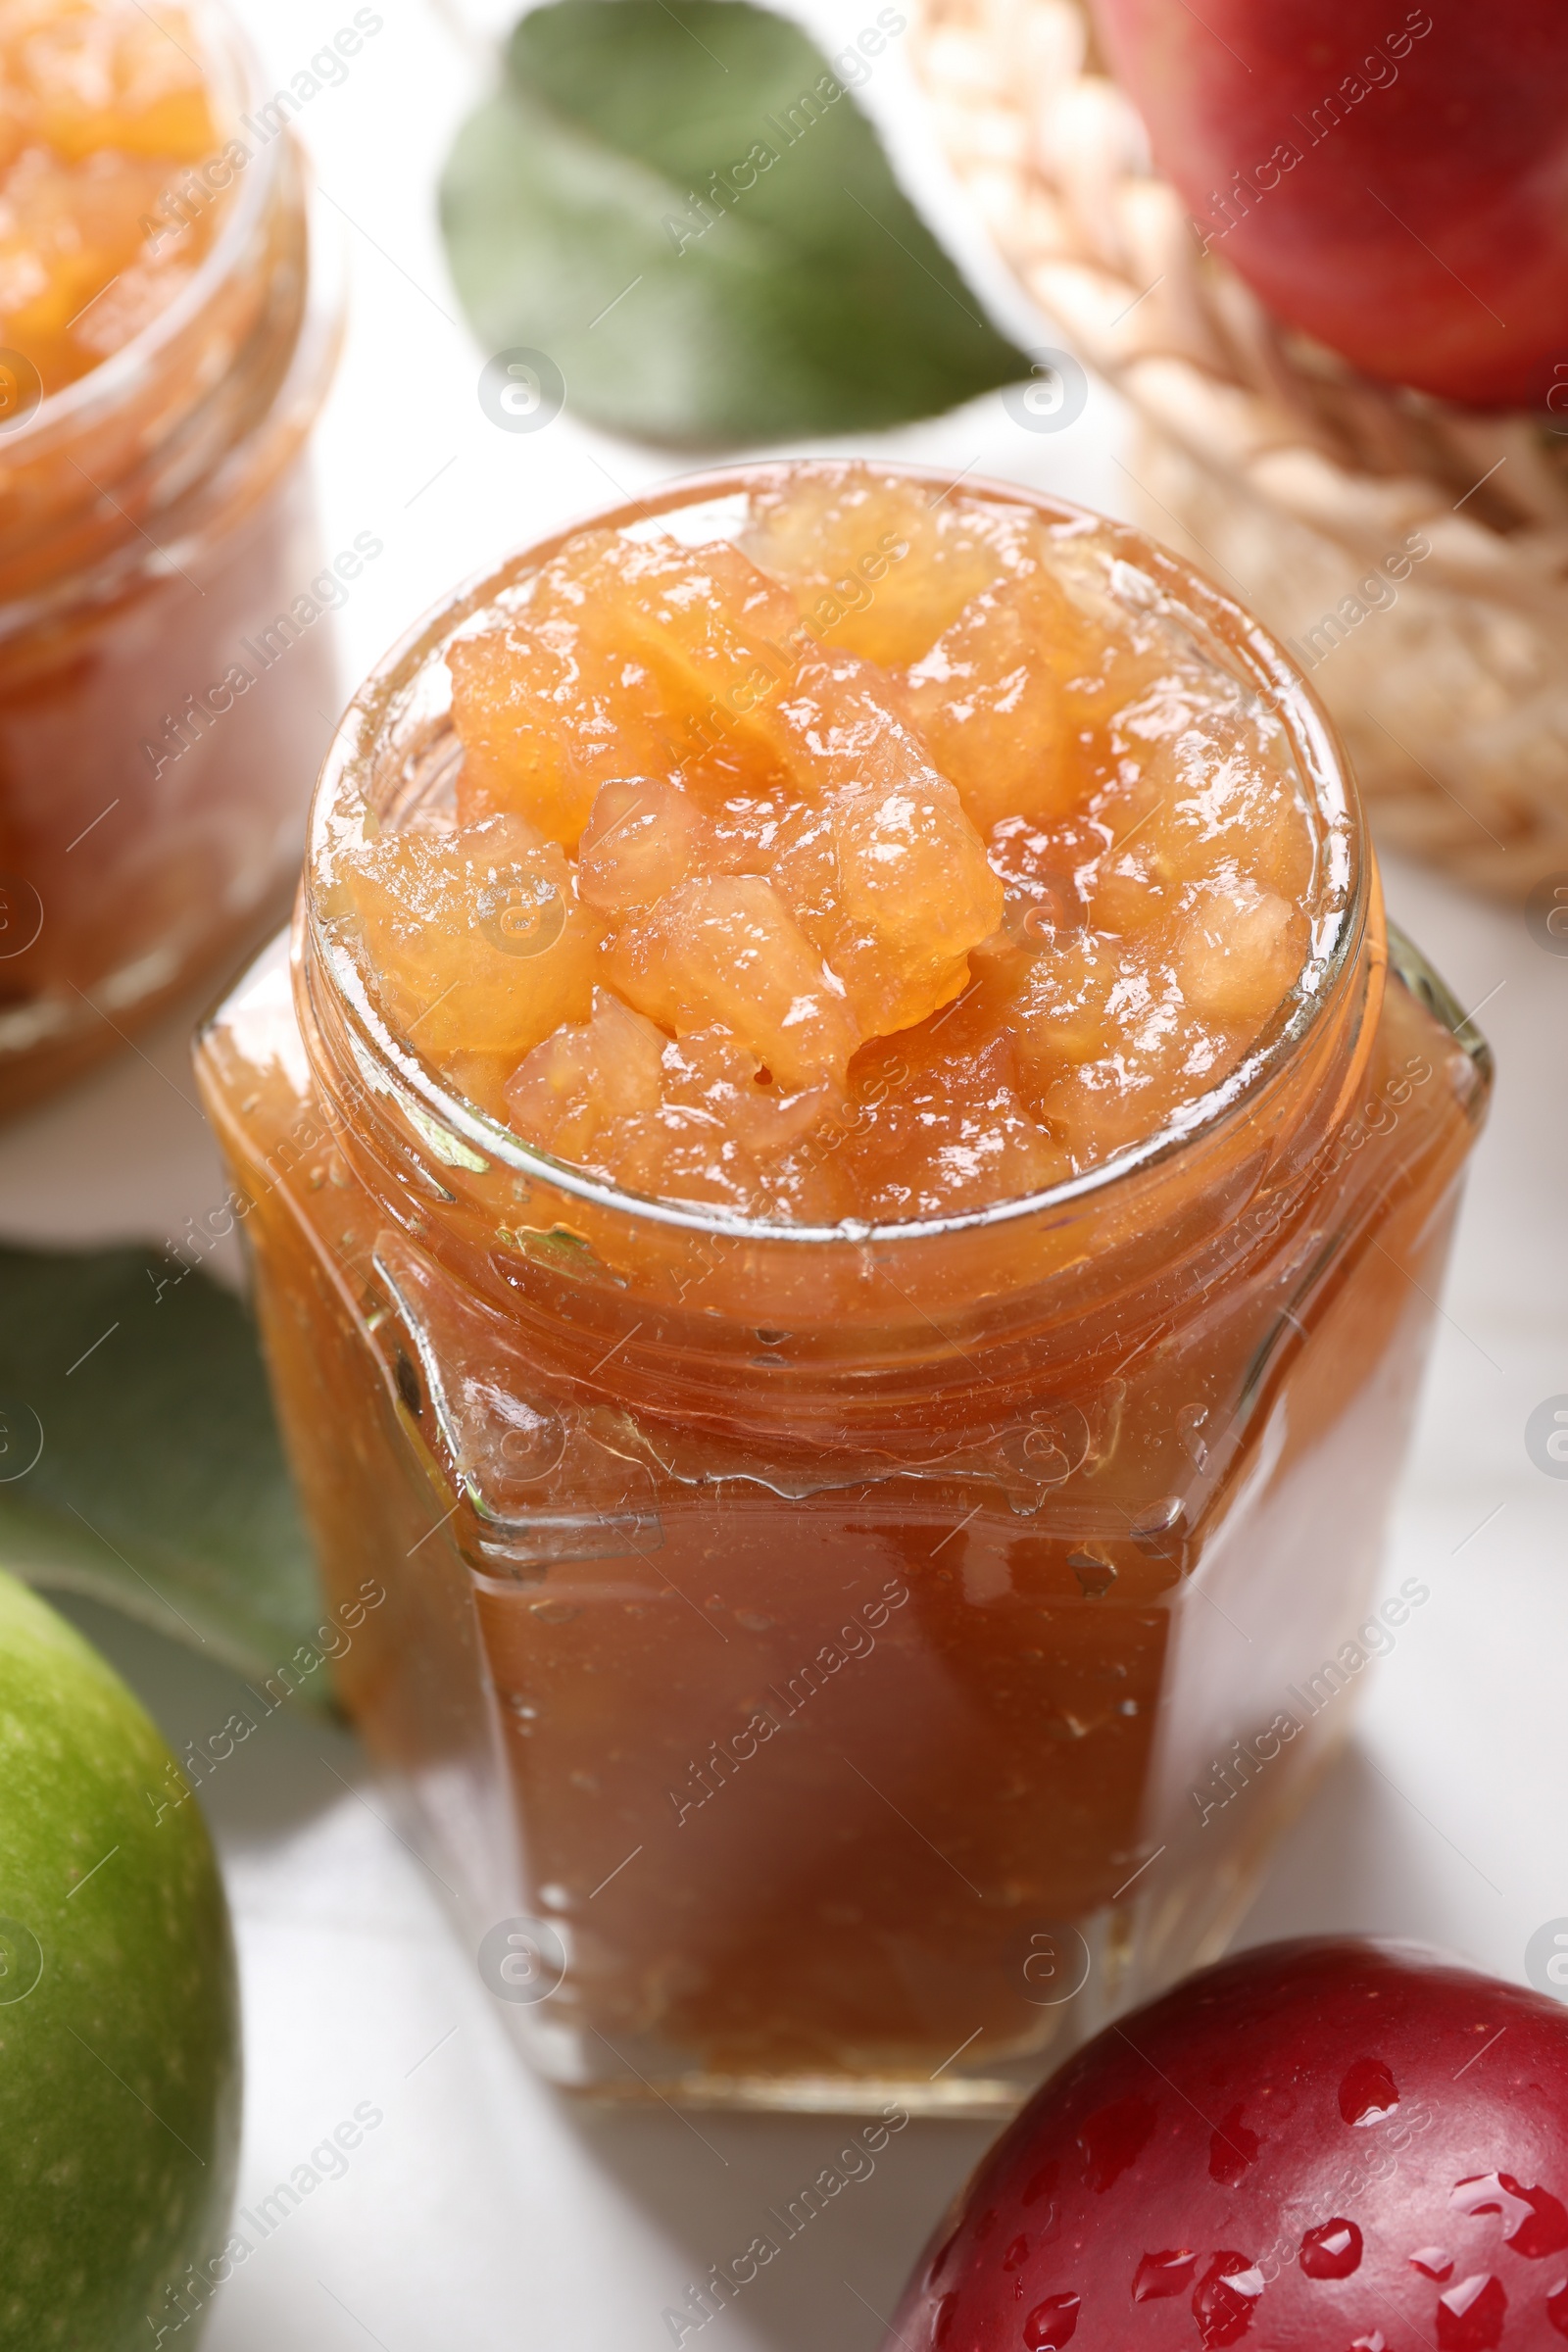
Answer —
165 685
846 1188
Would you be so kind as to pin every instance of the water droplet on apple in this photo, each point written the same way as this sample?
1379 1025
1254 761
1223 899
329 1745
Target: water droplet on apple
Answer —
1545 2231
1368 2093
1470 2315
1052 2324
1333 2250
1161 2274
1226 2298
1017 2254
1535 2223
1433 2262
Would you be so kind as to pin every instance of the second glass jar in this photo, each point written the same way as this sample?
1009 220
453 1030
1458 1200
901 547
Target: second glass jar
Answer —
167 679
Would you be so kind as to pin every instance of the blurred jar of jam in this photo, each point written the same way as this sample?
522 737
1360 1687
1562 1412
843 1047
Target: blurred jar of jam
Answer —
168 328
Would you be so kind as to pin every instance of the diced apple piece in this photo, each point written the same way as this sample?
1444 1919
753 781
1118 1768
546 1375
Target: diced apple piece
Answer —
1205 791
915 889
1049 871
747 830
578 1082
67 231
1132 888
881 566
949 1131
886 875
1106 1048
892 884
1241 949
686 1121
715 634
1062 1014
727 949
476 938
544 719
678 1154
736 771
104 108
842 725
712 1071
805 1187
991 707
642 840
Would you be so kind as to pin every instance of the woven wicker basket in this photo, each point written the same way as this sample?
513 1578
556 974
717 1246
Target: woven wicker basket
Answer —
1271 464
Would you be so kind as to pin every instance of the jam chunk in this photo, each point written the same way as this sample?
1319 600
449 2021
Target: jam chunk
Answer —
945 1126
579 1081
482 944
727 949
700 1117
644 838
880 568
551 706
993 710
716 637
887 875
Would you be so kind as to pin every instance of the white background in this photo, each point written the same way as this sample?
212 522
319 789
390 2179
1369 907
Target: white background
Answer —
484 2212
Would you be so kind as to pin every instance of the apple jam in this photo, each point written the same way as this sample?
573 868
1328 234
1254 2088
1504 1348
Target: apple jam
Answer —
891 897
104 108
162 352
873 1406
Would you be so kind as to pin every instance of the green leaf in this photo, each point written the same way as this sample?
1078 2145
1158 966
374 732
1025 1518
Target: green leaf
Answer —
814 301
158 1483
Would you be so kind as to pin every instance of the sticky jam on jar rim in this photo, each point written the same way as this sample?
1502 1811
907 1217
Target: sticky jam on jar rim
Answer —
157 532
854 856
840 1663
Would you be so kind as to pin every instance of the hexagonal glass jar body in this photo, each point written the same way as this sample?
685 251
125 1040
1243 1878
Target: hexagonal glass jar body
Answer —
835 1666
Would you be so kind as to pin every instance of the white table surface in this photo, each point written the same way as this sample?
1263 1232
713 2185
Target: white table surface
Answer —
484 2212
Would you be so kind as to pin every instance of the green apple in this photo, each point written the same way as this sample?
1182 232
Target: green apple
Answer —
119 2075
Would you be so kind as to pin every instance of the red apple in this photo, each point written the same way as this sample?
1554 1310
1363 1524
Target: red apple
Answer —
1317 2147
1393 179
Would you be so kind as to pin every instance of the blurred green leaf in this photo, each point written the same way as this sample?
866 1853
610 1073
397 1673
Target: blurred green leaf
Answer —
139 1460
591 212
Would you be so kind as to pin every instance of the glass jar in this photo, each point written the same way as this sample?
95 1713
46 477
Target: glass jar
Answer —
827 1666
166 680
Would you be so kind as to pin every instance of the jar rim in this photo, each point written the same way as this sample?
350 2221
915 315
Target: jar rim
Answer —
1251 655
225 44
